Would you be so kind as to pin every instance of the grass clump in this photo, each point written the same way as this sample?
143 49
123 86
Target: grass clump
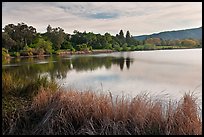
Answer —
88 113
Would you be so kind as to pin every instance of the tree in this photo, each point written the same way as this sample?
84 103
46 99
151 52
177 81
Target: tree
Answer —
120 38
83 47
21 33
125 47
128 35
8 42
153 41
56 36
49 29
130 40
78 38
66 45
149 46
121 34
45 45
108 37
188 43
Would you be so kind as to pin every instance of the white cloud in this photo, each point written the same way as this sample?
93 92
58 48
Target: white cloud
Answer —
101 17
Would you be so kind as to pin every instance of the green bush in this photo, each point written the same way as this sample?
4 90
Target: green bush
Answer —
15 54
149 46
42 46
27 51
73 49
5 53
139 47
83 47
132 48
57 52
66 45
117 47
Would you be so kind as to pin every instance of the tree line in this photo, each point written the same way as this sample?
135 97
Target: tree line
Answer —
22 39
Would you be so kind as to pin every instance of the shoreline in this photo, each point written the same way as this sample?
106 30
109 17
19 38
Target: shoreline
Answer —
64 53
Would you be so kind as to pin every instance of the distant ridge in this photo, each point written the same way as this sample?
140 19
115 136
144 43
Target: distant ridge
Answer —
195 33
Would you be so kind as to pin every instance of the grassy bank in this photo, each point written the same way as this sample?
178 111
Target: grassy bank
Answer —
53 111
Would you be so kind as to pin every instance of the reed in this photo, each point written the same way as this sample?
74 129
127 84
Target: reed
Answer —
90 113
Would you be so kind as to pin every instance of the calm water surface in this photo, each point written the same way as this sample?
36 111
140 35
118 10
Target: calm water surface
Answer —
164 73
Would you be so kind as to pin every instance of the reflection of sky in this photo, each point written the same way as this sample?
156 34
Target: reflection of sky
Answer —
156 77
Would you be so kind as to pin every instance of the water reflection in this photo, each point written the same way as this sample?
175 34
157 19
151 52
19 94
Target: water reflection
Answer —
129 73
175 71
58 67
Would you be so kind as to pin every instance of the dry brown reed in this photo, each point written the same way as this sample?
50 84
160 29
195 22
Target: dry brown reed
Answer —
89 113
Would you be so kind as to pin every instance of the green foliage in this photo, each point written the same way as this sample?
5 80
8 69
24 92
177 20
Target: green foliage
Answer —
73 49
27 88
132 47
8 42
117 47
125 47
58 52
4 50
139 47
66 45
5 53
128 34
19 35
44 45
108 46
149 47
56 36
27 51
15 54
83 47
16 38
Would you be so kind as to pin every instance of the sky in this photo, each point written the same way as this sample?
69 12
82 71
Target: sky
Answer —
100 17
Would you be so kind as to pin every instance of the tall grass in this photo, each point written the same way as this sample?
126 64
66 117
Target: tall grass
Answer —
27 87
17 94
89 113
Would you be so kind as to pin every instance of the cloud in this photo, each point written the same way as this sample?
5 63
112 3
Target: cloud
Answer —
103 15
100 17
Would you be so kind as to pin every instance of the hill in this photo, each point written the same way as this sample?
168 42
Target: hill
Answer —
195 33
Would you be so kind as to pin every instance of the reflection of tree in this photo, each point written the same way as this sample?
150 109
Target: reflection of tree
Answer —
91 63
28 69
128 62
60 68
57 67
121 61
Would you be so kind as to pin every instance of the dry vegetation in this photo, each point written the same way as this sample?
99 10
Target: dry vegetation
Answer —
89 113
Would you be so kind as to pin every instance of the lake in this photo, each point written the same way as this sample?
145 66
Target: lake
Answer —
161 73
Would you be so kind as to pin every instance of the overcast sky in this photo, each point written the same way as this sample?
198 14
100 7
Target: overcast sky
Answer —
100 17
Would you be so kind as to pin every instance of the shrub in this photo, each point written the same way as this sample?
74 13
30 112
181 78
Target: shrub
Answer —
42 46
15 54
27 51
149 46
73 49
5 53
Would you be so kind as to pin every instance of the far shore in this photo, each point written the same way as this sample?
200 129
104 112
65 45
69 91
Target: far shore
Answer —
63 53
100 51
